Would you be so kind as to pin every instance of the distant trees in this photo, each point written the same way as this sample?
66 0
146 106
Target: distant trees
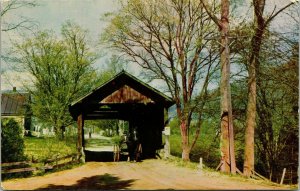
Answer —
61 70
169 40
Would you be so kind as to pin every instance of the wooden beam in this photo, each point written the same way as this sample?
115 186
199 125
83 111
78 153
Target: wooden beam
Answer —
82 134
79 132
80 137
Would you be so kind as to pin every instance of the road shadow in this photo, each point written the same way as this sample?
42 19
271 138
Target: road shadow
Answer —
102 182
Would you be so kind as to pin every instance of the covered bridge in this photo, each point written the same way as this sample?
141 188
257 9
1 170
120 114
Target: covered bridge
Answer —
126 98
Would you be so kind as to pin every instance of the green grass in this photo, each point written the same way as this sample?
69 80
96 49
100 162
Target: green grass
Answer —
40 148
175 144
98 142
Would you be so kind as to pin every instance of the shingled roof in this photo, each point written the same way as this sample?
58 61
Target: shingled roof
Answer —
12 104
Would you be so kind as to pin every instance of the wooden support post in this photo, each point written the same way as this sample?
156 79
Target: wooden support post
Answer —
283 174
80 123
167 133
83 143
200 164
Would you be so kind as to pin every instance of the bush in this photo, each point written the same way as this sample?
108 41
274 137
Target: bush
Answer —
117 140
12 141
12 147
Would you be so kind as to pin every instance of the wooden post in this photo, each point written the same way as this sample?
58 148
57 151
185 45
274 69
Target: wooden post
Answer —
167 142
80 123
200 163
283 173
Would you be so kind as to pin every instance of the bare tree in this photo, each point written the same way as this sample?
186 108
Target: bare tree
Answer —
22 21
168 40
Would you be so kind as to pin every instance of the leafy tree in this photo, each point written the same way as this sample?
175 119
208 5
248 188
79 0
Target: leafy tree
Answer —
277 123
61 70
276 84
168 40
253 67
12 143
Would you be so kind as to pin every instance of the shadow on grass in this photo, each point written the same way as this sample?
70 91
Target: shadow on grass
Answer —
103 182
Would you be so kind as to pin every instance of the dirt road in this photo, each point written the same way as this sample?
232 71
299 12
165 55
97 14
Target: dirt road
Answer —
149 174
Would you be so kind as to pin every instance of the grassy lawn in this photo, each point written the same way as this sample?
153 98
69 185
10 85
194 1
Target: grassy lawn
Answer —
42 148
98 142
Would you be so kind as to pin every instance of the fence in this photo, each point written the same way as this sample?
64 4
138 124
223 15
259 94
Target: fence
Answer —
33 166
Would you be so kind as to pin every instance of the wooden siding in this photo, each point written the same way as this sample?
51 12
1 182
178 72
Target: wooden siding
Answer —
126 94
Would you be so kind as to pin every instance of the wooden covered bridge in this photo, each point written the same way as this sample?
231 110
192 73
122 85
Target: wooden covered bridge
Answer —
126 98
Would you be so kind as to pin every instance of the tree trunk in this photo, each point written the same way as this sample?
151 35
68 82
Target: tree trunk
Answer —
185 143
225 159
252 71
79 133
250 122
227 142
186 153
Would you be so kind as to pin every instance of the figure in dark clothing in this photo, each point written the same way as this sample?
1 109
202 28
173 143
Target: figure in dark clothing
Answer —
133 146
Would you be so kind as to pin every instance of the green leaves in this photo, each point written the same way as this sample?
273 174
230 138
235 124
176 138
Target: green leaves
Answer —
62 71
12 144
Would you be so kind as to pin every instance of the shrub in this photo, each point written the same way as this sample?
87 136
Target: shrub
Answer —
117 140
12 141
12 147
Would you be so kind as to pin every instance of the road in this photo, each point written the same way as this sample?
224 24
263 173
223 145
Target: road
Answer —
148 174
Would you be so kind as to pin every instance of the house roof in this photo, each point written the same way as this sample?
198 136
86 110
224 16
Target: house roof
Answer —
123 88
12 103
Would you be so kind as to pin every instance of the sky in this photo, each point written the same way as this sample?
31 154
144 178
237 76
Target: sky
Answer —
51 14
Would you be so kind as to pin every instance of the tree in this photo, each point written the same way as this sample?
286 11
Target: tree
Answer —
22 22
12 143
61 70
168 40
227 137
253 65
277 105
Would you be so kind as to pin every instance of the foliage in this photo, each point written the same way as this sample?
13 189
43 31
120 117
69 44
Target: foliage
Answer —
117 140
12 146
277 130
207 145
61 69
110 128
96 142
43 148
12 143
